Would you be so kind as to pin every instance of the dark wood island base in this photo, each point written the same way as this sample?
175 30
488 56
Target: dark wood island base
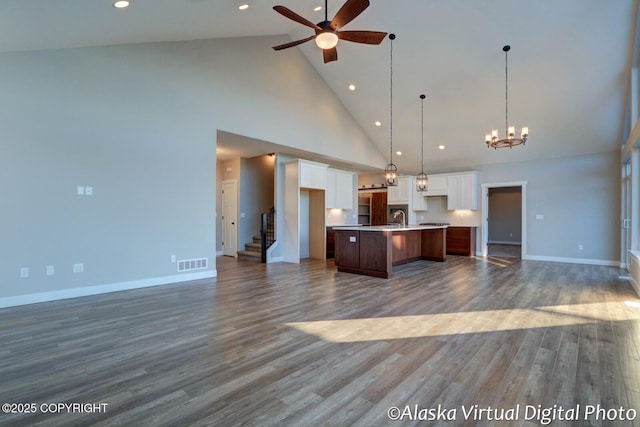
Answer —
373 251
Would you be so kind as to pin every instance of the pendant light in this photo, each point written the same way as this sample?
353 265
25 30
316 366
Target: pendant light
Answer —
391 170
492 140
422 181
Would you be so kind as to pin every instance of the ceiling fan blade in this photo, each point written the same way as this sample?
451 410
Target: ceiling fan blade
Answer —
348 12
295 17
292 44
330 54
366 37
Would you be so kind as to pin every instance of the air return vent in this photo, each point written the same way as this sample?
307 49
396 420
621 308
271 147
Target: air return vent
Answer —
193 264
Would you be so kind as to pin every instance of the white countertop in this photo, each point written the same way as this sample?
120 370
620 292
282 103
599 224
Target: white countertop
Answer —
392 227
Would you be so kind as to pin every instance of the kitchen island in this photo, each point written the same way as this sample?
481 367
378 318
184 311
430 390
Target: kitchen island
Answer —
375 250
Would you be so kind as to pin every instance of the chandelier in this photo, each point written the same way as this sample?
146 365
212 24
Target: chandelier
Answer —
422 181
493 140
391 170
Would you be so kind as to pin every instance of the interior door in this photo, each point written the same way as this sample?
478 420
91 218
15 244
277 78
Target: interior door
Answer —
379 209
230 218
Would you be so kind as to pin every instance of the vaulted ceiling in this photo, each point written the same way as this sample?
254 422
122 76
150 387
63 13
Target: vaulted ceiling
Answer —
568 66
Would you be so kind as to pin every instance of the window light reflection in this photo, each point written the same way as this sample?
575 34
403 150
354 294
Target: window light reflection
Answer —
469 322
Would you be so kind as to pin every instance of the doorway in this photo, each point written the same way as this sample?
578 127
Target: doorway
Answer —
504 226
230 218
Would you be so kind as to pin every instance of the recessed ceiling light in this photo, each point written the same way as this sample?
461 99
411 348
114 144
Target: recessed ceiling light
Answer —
399 153
441 147
352 87
243 6
378 123
121 4
317 8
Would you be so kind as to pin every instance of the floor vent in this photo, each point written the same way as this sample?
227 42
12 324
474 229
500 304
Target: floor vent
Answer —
193 264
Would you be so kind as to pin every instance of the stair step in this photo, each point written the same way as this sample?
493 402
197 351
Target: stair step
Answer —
253 247
249 255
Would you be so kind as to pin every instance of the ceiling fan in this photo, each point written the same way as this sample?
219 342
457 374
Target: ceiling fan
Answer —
327 32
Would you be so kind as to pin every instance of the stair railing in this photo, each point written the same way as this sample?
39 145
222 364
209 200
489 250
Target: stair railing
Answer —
267 232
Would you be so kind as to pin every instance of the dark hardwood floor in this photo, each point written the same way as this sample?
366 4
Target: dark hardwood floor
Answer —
293 345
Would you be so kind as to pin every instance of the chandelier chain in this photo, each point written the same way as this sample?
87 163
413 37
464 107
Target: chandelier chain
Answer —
391 104
422 139
506 94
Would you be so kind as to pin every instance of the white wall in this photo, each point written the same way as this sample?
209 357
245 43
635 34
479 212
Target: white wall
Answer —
138 123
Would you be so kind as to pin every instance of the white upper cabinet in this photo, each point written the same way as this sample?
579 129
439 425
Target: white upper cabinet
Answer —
399 194
437 185
462 191
340 188
419 199
313 175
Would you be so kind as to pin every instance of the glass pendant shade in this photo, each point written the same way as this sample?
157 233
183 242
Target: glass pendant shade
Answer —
391 175
422 182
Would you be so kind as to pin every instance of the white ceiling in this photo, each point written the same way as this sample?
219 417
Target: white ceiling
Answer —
567 66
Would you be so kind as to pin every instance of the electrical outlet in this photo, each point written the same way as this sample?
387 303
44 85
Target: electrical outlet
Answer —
539 216
78 268
24 272
80 190
88 191
51 270
173 258
580 247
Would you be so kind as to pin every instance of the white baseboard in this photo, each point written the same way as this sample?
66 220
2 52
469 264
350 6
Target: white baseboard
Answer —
634 270
572 260
634 285
102 289
275 259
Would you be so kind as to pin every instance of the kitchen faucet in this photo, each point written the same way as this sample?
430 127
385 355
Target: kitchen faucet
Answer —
404 218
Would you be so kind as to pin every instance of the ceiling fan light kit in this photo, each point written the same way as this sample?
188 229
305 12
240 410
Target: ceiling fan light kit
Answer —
327 39
327 33
493 139
121 4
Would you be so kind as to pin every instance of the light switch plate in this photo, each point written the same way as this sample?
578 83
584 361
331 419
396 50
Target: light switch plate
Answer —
352 238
